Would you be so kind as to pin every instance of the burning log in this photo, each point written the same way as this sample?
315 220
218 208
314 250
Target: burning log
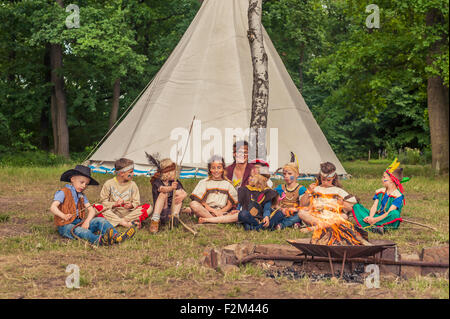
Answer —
330 228
338 235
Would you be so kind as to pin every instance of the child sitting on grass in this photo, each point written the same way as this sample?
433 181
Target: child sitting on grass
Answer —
289 196
69 209
215 195
168 194
256 201
120 197
260 164
325 198
387 205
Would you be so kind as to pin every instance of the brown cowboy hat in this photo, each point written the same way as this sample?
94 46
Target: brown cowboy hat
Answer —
79 170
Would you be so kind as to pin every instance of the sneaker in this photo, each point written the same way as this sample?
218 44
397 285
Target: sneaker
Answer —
105 240
297 226
154 226
110 233
278 227
129 233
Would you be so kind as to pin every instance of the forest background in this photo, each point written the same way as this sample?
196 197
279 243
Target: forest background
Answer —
371 89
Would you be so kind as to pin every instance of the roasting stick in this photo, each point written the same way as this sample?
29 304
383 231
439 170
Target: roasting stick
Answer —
419 224
173 192
86 207
81 223
176 178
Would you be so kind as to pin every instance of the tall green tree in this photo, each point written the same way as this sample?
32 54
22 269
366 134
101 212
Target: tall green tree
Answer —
373 72
112 55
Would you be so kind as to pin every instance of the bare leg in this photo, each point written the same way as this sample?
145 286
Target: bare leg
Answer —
306 216
160 204
177 202
115 219
199 210
348 207
225 219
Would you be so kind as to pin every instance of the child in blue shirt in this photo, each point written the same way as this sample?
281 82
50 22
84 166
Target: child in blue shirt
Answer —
289 195
69 208
387 205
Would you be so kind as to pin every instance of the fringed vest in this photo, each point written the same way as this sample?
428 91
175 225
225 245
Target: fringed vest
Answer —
68 207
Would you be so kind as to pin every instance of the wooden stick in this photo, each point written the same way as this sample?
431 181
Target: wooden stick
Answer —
178 169
186 226
419 224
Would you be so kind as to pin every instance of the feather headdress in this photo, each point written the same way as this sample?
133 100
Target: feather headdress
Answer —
394 165
294 159
152 160
390 171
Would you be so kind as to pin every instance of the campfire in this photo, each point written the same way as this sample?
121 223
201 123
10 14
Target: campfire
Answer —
334 230
331 228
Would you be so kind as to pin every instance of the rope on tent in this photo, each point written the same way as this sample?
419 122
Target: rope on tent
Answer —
120 118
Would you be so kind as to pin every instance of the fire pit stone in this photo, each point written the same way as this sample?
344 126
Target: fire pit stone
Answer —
270 256
410 271
276 249
434 254
240 250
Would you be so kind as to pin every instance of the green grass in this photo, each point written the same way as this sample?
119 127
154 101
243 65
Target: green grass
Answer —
4 218
166 265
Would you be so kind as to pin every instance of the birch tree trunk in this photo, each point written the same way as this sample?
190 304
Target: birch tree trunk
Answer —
438 107
260 92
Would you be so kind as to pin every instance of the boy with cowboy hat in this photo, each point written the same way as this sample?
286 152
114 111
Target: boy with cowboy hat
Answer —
69 208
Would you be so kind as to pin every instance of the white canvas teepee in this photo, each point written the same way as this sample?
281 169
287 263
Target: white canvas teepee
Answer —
209 76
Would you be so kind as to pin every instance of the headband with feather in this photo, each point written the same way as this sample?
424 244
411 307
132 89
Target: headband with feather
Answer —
160 170
294 159
153 160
